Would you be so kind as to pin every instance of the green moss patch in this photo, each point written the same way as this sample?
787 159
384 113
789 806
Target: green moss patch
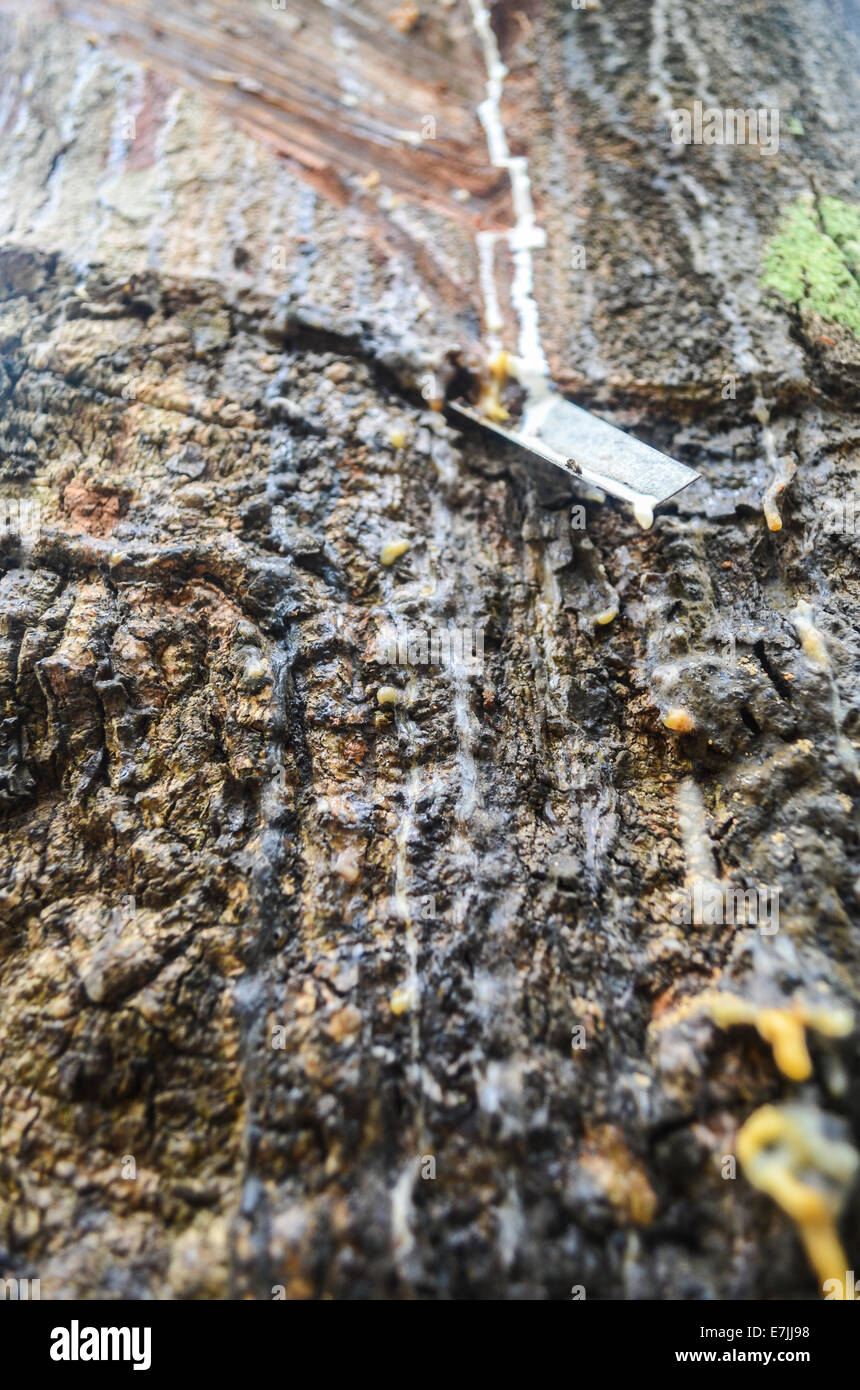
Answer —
814 259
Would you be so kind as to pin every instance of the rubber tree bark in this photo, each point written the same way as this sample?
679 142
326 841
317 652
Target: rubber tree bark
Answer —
329 969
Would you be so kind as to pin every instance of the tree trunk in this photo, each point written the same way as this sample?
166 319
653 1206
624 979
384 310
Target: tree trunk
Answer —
332 967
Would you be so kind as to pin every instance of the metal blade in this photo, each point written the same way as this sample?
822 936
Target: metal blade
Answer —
587 447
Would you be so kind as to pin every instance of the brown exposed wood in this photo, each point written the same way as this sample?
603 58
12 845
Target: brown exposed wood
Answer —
341 91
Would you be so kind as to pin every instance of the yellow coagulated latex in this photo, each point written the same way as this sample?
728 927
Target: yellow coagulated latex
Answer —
783 1149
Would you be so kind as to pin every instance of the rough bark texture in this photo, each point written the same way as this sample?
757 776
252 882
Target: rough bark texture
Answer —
275 942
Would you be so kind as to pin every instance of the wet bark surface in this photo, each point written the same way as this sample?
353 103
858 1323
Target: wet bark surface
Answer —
305 991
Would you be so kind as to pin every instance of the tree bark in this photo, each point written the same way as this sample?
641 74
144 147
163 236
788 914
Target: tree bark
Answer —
306 992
